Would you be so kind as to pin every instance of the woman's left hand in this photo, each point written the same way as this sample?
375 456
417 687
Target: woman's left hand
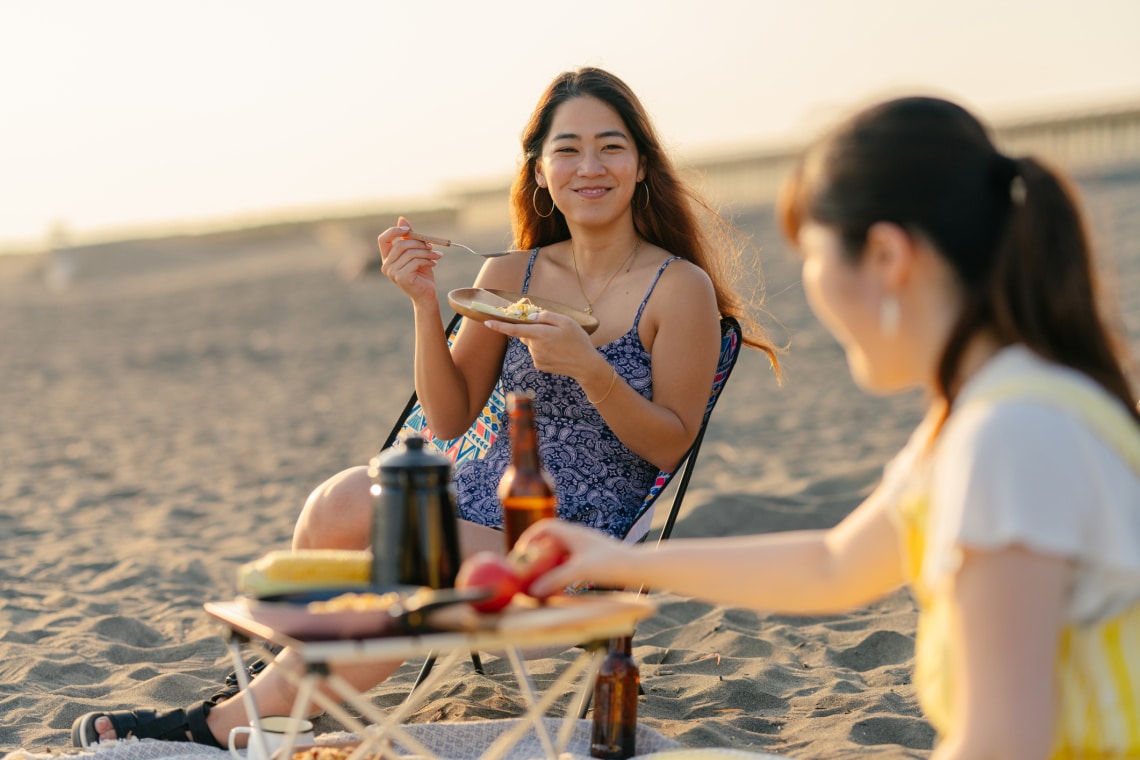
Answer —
556 342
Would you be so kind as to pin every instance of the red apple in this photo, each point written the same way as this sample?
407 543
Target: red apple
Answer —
540 557
491 571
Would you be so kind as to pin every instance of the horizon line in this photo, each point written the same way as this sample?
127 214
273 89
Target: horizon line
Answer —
453 191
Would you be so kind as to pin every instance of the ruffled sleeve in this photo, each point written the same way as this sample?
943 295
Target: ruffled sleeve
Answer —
1027 473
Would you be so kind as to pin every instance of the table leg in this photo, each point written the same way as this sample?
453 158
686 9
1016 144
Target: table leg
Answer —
421 692
594 658
526 688
252 715
385 725
586 661
305 689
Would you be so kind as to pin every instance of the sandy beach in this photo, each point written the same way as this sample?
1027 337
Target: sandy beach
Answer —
167 405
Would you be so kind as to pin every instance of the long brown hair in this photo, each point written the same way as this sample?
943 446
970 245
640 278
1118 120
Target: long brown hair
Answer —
665 208
1010 228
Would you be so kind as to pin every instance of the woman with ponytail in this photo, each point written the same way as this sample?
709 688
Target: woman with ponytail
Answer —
1013 513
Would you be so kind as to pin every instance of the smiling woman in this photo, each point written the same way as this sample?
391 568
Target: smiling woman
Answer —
581 170
604 144
619 392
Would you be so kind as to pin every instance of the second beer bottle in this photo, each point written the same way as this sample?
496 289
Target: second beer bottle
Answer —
526 490
614 735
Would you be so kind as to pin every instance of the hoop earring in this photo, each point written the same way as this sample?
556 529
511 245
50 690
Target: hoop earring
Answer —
645 184
534 202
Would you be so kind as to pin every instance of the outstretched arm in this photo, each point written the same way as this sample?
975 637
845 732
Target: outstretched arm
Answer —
797 572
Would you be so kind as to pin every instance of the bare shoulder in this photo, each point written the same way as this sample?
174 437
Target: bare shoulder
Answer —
682 279
683 305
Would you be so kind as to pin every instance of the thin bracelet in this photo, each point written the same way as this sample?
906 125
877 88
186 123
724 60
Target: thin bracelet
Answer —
609 390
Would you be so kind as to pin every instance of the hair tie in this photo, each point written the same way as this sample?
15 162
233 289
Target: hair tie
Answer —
1007 176
1017 190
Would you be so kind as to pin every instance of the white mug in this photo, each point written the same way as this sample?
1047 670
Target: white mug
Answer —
273 731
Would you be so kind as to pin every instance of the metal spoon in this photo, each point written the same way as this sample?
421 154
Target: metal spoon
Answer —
446 242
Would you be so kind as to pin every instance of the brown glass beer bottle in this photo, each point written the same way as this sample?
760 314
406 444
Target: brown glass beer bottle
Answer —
615 703
526 490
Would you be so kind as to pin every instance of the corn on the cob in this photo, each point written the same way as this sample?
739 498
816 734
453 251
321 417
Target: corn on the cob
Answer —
281 571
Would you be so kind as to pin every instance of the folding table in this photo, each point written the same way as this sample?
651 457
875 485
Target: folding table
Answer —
562 622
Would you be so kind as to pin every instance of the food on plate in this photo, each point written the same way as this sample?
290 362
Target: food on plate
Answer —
369 601
283 571
538 558
357 602
491 571
523 309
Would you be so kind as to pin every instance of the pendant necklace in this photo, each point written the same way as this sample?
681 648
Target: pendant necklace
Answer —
629 260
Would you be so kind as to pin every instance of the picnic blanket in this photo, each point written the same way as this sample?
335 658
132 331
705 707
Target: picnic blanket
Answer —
465 740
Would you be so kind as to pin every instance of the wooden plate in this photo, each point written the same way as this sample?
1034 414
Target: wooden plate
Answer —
462 301
569 612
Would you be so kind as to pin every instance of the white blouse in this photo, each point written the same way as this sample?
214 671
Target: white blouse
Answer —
1039 456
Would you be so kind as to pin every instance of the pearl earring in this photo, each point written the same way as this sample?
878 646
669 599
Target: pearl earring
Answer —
890 315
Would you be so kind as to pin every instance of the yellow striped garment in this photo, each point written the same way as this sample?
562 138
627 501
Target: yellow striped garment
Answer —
1098 663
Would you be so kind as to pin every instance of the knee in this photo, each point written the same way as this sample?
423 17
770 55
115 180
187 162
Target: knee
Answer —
337 514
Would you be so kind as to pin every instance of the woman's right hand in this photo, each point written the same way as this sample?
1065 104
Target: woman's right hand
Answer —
409 263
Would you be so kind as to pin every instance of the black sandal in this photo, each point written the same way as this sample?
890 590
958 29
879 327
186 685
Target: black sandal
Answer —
172 726
231 688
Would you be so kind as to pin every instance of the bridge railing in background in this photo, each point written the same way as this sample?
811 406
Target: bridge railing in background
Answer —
1078 142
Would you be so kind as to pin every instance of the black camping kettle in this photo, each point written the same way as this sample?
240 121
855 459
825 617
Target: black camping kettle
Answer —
415 532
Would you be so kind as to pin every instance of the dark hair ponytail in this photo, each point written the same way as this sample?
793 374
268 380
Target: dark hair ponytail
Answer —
1010 229
1043 289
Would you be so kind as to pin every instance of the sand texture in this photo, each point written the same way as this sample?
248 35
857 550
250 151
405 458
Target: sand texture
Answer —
167 405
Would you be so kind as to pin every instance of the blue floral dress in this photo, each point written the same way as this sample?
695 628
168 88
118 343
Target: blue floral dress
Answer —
599 481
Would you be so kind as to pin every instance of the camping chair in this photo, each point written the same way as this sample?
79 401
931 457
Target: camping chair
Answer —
478 438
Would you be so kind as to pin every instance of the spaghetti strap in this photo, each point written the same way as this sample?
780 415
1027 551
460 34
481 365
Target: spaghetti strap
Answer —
529 268
652 285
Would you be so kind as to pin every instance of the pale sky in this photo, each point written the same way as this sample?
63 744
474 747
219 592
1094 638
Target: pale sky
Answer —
120 113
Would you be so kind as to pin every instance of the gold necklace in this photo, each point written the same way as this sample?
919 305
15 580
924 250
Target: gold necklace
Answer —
578 277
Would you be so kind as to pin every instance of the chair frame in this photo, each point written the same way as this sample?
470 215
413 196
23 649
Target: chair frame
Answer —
479 437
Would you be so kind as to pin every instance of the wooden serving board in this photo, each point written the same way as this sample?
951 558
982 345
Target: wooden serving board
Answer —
586 611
